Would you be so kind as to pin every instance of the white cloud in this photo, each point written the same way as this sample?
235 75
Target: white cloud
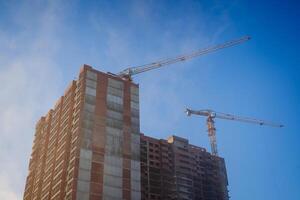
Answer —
5 189
27 75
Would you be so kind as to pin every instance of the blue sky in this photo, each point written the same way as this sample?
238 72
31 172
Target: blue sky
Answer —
44 43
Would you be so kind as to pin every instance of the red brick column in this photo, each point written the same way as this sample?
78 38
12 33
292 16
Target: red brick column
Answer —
98 143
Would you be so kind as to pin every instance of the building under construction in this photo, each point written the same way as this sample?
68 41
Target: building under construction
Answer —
89 147
175 169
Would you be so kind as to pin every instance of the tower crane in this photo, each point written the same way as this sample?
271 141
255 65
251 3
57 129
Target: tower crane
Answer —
211 115
131 71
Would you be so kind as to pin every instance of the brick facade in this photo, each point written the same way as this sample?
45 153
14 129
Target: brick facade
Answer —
87 147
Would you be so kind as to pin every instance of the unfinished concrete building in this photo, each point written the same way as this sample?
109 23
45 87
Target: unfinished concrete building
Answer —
175 169
89 147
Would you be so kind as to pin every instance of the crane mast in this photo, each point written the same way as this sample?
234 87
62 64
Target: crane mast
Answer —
211 115
212 134
131 71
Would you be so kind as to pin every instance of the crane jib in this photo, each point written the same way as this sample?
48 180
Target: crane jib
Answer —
211 115
154 65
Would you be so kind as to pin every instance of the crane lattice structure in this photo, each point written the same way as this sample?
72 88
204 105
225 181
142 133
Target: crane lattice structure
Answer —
211 115
131 71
